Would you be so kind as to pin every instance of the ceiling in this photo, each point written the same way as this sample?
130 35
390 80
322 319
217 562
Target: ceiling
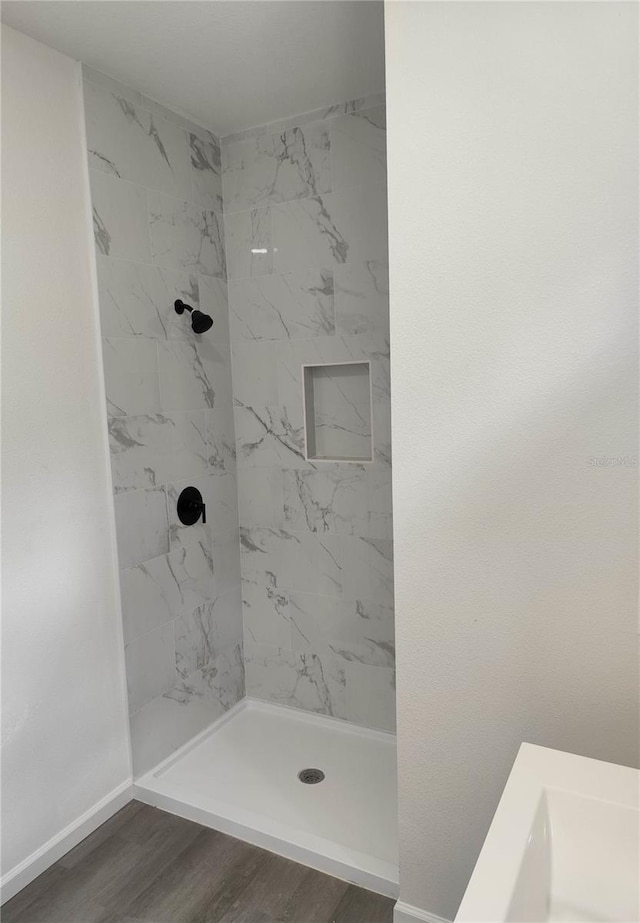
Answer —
227 64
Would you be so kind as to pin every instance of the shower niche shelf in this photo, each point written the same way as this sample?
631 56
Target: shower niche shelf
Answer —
337 412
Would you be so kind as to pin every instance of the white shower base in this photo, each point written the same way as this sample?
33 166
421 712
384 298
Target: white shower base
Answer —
240 776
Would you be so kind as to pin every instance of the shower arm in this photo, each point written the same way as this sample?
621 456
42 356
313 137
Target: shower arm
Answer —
200 322
181 307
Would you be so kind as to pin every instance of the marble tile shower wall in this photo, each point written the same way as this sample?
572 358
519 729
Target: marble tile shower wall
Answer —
306 242
157 205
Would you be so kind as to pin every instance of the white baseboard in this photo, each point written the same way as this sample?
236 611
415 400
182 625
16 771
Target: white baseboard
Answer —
40 860
405 913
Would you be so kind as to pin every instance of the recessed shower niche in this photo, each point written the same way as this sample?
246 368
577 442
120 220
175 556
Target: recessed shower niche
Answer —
337 412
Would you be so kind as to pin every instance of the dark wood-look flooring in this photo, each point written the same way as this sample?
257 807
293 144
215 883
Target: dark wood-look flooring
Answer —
146 866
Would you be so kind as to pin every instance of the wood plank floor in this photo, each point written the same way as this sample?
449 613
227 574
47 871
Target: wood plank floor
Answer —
146 866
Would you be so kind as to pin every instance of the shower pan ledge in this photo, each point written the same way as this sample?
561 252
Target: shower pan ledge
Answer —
240 776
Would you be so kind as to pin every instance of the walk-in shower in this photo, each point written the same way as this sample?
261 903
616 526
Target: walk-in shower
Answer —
252 469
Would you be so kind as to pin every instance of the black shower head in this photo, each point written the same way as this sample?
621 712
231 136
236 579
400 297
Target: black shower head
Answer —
199 322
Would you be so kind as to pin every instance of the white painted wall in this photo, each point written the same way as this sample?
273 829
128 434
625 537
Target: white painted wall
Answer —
512 134
64 731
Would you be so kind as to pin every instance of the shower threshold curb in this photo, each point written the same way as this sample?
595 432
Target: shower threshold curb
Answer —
324 855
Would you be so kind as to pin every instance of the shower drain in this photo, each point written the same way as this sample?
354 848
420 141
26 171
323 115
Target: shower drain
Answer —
311 776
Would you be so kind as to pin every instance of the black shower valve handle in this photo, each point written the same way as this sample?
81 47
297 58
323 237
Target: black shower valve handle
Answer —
197 508
191 506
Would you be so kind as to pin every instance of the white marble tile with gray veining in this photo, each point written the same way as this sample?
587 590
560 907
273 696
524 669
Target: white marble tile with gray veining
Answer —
277 167
186 236
170 115
222 508
220 682
362 298
221 440
192 570
220 359
150 666
381 377
303 561
331 351
249 243
189 453
328 350
226 554
131 376
165 587
120 218
186 370
228 682
307 234
368 569
325 231
201 635
381 419
261 551
280 307
342 431
227 614
366 633
289 358
301 680
265 610
267 435
382 450
333 500
195 640
379 501
150 450
206 172
312 530
213 301
260 501
150 597
255 372
139 447
371 696
142 526
359 148
354 630
126 140
137 299
344 382
313 563
372 101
